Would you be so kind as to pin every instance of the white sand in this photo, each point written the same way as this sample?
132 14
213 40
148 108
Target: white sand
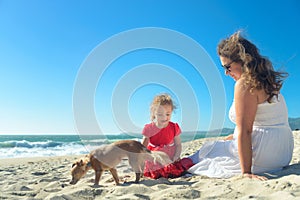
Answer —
48 178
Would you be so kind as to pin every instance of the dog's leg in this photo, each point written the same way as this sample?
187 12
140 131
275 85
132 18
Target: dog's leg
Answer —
142 167
137 177
135 163
114 173
98 174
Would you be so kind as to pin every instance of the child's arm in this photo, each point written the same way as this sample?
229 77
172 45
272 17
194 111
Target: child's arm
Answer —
177 143
145 141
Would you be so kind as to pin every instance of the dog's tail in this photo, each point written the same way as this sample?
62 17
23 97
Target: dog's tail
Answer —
157 156
160 157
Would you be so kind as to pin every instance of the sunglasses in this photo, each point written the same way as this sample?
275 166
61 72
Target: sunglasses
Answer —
227 66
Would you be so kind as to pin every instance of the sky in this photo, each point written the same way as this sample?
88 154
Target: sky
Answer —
71 66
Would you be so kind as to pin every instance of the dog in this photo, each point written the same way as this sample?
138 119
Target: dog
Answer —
107 157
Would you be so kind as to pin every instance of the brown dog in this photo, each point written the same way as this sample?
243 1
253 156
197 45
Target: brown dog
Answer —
107 157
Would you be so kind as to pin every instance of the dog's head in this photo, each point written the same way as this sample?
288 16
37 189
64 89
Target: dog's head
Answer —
79 169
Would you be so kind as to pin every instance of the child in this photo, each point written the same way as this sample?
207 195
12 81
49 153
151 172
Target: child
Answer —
161 134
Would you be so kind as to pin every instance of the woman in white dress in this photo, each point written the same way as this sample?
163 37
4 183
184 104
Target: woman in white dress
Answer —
262 139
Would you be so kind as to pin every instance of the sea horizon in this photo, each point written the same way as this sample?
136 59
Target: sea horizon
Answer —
34 145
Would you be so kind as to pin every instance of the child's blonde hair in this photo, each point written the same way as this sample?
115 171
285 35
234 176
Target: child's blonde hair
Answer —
162 99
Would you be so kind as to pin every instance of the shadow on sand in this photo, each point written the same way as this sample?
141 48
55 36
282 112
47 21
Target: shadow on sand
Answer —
289 170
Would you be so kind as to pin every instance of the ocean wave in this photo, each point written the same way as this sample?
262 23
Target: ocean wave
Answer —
27 144
40 150
40 146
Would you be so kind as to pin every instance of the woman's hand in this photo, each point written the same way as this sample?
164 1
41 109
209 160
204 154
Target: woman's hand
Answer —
253 176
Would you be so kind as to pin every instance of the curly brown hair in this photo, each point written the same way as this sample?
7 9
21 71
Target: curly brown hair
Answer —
258 70
162 99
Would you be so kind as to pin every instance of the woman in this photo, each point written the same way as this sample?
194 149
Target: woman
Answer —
262 139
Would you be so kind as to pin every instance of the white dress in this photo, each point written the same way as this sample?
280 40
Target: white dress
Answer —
272 145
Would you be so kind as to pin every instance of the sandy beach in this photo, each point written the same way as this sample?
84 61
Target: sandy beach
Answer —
48 178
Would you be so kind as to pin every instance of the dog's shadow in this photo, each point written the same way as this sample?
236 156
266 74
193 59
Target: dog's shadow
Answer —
153 182
293 169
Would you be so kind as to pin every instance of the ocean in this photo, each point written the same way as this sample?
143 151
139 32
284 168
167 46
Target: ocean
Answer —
18 146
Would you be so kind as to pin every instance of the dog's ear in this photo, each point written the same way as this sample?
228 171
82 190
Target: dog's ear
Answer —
80 163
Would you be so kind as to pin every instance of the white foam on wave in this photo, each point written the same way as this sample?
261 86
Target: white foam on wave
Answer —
60 150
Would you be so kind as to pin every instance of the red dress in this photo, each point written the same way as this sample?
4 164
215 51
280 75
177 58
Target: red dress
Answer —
163 140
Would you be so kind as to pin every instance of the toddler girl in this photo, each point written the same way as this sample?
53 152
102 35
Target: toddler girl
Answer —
161 134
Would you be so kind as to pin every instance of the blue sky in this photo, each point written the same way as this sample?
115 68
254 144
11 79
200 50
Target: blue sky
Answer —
45 45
